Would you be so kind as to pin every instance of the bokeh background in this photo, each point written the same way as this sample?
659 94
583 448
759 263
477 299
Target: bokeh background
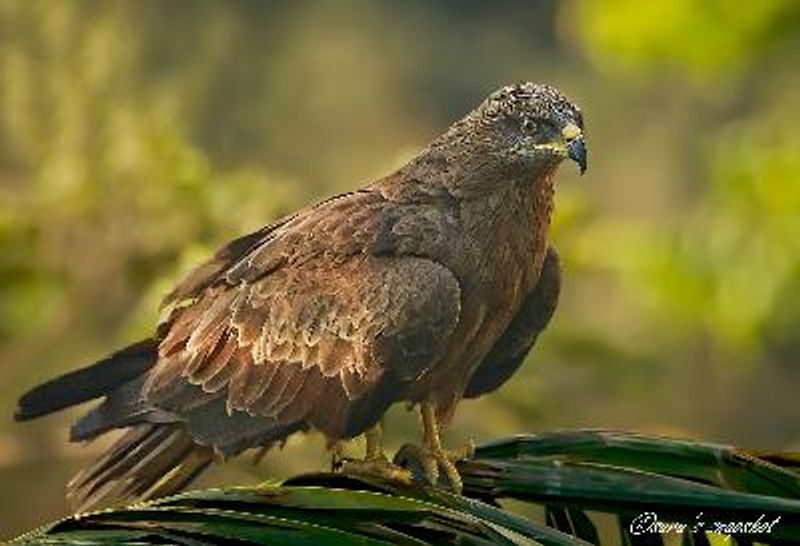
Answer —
136 136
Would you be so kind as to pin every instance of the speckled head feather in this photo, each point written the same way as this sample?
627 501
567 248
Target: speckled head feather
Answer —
522 129
532 100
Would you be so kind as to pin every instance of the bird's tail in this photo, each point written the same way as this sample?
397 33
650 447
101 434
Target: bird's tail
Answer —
159 453
148 461
153 457
88 383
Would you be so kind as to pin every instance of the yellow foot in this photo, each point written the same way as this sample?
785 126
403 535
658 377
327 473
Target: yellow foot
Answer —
435 460
432 457
374 463
377 466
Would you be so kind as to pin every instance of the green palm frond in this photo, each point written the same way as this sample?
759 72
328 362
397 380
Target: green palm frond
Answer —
629 474
569 475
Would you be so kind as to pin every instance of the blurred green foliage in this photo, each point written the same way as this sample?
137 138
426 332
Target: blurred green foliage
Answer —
135 136
707 38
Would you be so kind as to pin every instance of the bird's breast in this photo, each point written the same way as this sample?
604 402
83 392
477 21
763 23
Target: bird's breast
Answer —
502 258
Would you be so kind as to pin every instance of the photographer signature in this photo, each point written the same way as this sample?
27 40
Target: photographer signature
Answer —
648 523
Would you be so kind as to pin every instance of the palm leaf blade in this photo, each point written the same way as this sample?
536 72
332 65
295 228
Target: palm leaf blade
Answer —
567 473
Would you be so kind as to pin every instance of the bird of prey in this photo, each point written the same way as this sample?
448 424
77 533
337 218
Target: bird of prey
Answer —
425 287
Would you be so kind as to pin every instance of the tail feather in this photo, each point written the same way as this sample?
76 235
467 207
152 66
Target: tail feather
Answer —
122 407
180 478
159 452
154 456
88 383
147 461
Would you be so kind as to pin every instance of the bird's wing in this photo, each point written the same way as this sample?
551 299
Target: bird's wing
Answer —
510 350
309 323
213 270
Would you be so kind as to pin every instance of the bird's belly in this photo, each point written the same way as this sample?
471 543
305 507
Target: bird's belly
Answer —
487 310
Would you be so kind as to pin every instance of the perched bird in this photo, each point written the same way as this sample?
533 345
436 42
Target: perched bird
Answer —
426 286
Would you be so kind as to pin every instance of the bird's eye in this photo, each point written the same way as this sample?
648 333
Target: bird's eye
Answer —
528 125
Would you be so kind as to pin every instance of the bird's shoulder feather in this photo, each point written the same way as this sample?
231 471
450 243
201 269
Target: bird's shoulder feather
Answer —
370 221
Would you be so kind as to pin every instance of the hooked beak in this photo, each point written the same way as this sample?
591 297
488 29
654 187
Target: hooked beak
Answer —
569 144
576 151
575 145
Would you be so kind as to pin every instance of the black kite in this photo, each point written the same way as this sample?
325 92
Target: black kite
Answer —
426 286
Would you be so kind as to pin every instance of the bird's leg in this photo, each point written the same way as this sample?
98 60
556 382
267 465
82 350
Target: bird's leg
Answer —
375 462
374 438
337 454
433 457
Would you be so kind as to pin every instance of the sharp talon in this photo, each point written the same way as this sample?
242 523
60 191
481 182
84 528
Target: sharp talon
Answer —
434 463
452 476
433 458
469 449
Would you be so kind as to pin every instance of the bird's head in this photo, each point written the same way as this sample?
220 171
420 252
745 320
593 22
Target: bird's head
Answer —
527 127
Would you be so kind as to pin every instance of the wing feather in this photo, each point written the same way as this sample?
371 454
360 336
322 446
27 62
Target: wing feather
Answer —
306 317
210 361
306 397
289 394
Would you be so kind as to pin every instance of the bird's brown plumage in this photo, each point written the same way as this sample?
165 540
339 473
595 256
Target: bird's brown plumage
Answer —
428 285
